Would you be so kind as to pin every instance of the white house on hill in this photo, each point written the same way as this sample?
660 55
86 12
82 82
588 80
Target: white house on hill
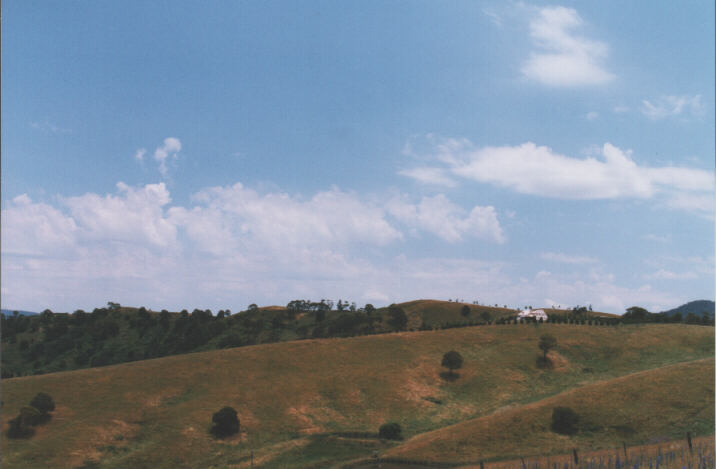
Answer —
536 314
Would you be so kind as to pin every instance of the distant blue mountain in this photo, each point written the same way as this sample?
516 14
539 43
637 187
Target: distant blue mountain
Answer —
8 312
697 307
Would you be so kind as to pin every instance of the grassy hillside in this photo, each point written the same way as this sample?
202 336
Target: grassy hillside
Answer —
663 403
698 308
156 413
55 342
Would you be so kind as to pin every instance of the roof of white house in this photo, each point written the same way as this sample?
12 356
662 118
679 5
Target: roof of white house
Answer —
527 313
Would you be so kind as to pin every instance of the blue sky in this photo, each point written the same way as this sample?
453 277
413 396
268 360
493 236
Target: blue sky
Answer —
184 154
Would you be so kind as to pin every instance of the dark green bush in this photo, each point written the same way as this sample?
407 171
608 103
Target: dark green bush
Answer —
390 431
226 422
17 428
564 421
43 402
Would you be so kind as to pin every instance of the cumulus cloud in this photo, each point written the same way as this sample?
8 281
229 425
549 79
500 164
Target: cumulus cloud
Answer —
132 215
439 216
566 259
139 155
563 57
136 246
538 170
225 215
35 229
667 106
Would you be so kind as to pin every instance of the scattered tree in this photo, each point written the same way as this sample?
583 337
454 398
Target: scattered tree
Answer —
18 428
43 402
226 422
486 316
397 317
452 360
636 314
465 311
564 421
390 431
546 343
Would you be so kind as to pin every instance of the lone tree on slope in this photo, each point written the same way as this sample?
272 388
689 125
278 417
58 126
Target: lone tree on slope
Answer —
390 431
226 422
43 402
452 360
564 421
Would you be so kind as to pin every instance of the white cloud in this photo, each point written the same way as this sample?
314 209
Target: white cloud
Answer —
566 259
435 176
169 149
538 170
620 109
563 58
663 274
135 247
139 155
439 216
35 229
133 215
279 221
234 246
591 115
667 106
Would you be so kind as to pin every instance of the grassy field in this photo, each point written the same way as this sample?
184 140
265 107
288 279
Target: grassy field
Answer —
670 454
157 413
611 412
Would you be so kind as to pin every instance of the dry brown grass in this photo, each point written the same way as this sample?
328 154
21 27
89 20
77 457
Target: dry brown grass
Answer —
285 391
661 402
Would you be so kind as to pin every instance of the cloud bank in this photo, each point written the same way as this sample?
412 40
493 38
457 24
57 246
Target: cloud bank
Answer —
540 171
136 245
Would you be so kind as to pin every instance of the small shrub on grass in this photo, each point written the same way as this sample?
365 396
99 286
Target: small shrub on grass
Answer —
19 429
43 402
226 423
390 431
564 421
546 343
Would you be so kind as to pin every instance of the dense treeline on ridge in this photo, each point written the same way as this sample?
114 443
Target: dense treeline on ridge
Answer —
52 342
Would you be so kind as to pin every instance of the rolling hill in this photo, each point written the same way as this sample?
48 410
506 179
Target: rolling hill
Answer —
120 334
697 307
10 312
612 412
292 397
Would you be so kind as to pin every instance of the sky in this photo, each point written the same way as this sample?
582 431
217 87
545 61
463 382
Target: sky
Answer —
217 154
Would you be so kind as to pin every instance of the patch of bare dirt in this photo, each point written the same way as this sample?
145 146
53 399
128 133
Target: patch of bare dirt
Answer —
559 362
422 381
311 417
265 455
115 433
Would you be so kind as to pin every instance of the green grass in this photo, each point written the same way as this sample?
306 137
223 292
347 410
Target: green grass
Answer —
157 413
